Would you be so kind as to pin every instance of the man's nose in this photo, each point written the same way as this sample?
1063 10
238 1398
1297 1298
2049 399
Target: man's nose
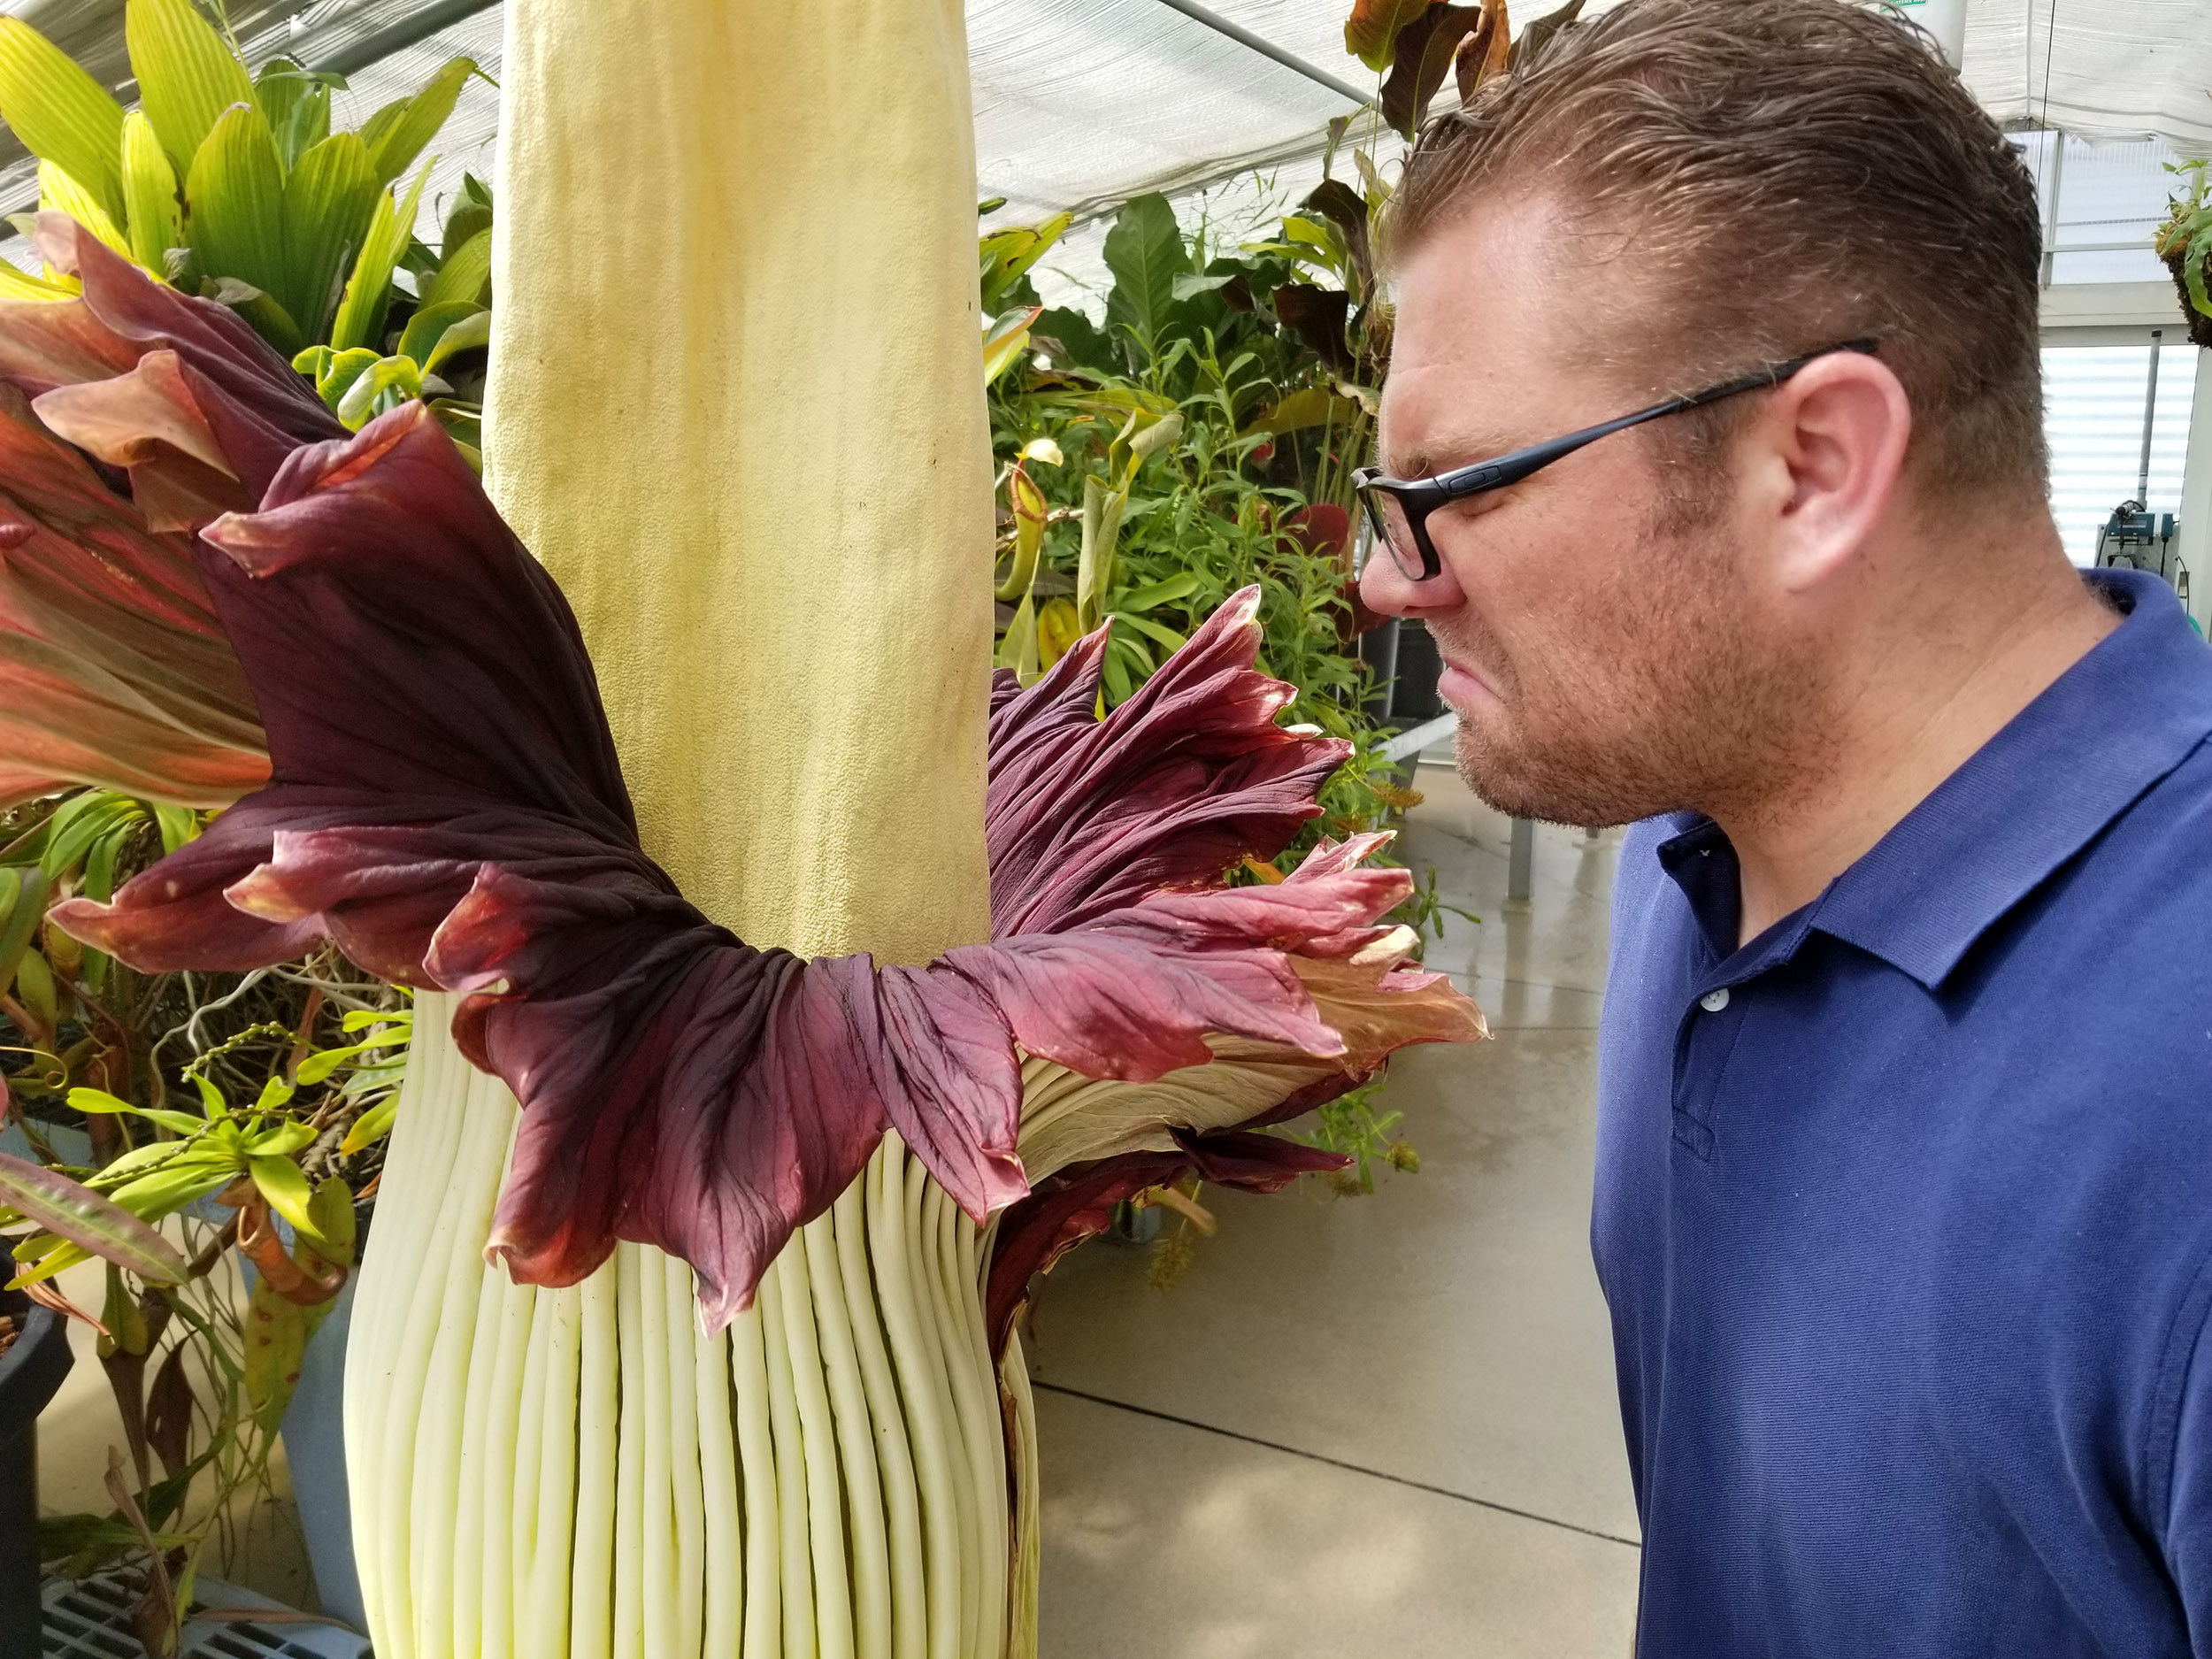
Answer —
1384 588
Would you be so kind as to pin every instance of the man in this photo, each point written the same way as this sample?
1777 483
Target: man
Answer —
1904 1186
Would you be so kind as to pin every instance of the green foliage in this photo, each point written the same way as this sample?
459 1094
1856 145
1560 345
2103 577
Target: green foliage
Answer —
231 186
215 1107
2185 240
1194 443
1197 438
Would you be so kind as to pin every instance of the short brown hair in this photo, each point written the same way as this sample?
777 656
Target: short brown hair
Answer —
1788 175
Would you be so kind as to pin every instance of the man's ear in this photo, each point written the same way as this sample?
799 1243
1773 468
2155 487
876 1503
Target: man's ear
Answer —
1823 463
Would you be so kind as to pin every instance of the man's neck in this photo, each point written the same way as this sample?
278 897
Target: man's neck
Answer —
1922 706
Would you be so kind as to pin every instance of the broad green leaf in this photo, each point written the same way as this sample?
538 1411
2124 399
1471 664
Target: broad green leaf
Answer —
399 132
370 1127
236 187
186 76
275 1092
18 284
1166 636
1192 283
156 219
96 814
57 189
1005 338
179 824
464 274
281 1183
211 1100
360 320
270 320
61 113
322 1062
386 384
470 334
98 1225
428 325
1312 406
297 103
1177 587
470 213
35 985
336 372
136 1161
280 1141
1370 32
1145 251
328 201
1007 256
99 1102
25 910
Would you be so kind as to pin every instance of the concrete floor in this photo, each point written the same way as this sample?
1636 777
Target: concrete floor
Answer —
1383 1424
1377 1426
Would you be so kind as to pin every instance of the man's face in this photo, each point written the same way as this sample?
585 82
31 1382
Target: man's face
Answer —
1601 647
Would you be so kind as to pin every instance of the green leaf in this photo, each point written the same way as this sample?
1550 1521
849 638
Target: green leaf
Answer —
186 76
398 133
235 188
1312 406
1166 636
61 113
276 1092
428 325
328 201
470 334
154 216
137 1161
179 824
96 1103
97 1225
27 907
297 103
281 1141
360 321
90 815
464 274
370 1127
56 189
281 1183
470 213
384 385
1180 587
1145 251
335 372
1191 283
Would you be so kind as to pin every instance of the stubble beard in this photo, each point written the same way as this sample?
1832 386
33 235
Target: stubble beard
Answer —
1667 698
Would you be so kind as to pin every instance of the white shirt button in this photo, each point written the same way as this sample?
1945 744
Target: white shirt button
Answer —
1713 1001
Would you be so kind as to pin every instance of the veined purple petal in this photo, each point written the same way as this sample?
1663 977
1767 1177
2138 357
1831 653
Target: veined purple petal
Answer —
1192 773
1079 1202
445 803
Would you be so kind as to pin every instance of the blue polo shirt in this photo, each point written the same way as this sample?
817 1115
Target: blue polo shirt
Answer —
1904 1210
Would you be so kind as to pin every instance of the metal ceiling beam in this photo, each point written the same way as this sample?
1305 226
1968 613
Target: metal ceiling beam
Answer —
395 38
1266 48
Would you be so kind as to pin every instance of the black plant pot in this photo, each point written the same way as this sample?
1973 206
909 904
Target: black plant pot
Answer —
30 1371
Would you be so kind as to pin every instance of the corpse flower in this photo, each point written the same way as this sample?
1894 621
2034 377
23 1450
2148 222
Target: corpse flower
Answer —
444 803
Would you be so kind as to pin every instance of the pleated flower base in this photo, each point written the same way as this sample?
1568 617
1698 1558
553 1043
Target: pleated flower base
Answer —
582 1472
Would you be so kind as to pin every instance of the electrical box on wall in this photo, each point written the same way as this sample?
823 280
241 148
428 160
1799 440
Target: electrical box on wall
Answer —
2138 539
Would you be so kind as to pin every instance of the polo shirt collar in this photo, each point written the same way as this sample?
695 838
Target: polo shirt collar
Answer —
2100 736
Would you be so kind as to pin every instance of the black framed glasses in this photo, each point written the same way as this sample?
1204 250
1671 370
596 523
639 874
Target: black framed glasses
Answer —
1398 508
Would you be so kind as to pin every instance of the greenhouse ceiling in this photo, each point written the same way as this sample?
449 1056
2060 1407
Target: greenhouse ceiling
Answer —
1080 104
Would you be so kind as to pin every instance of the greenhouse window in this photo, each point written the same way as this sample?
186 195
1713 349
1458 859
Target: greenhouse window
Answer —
2097 406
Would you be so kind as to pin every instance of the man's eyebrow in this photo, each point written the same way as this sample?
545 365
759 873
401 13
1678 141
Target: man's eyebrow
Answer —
1460 447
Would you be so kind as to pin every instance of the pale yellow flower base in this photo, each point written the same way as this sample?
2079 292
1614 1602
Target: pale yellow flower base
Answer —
583 1472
